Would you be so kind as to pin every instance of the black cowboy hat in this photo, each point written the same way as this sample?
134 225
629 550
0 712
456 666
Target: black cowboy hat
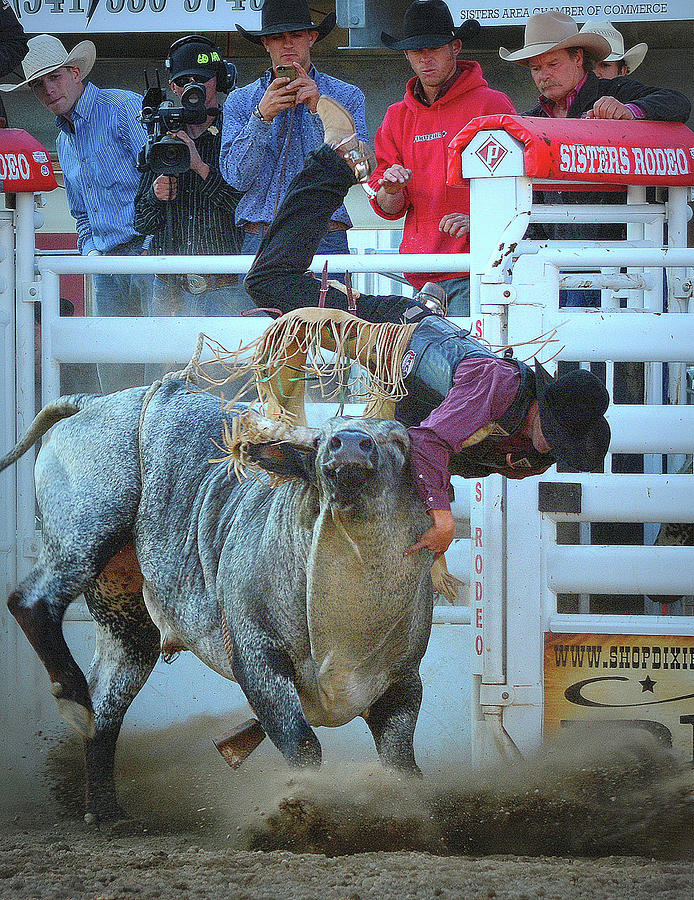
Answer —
288 15
572 418
429 23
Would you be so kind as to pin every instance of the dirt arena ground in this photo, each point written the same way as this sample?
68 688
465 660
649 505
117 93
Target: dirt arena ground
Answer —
602 817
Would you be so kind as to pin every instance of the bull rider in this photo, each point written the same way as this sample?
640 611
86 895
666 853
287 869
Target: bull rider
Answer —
468 411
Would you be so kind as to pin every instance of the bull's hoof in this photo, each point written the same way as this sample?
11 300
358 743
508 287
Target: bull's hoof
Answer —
237 744
308 754
114 824
75 714
104 811
74 703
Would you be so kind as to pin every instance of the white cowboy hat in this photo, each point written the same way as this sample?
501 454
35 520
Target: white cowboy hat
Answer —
46 54
632 58
555 31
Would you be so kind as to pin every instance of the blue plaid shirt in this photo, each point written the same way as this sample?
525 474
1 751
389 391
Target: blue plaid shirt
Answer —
261 159
99 163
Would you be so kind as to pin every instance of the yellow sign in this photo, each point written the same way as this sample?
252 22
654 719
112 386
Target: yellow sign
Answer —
646 680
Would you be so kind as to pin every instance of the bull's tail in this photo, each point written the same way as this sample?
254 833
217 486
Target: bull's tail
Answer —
47 418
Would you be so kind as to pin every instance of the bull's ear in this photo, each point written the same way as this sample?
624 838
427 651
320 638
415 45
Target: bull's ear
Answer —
285 459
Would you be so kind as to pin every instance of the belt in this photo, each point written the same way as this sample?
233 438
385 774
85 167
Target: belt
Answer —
262 227
198 284
135 243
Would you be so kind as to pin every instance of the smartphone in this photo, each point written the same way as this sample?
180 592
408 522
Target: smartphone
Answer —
286 72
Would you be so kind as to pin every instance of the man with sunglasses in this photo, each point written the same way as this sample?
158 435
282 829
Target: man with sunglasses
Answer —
192 214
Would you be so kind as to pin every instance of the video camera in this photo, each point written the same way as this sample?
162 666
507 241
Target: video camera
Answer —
164 154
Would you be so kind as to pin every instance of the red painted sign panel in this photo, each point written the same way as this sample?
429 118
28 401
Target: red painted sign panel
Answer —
587 150
25 165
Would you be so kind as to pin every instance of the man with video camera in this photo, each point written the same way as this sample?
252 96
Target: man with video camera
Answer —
182 200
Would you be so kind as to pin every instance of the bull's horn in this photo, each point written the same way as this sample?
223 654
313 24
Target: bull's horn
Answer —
253 428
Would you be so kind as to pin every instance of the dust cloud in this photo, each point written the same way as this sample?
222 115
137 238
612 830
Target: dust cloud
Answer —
591 793
593 817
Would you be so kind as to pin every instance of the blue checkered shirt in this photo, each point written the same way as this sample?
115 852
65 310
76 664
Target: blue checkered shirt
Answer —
261 159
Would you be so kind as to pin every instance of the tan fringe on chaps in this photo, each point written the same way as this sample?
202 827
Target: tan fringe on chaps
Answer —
295 349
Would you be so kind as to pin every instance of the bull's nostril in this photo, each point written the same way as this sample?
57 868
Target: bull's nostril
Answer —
366 444
335 443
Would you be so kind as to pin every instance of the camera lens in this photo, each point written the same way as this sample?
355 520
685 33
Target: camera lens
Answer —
169 156
193 96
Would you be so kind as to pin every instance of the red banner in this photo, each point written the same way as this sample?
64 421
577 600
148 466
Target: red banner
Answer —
25 165
590 150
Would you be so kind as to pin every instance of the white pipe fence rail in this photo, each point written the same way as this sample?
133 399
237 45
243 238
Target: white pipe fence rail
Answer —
589 257
596 336
592 213
629 498
229 265
642 570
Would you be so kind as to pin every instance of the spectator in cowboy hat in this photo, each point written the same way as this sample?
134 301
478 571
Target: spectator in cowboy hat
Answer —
411 144
271 125
560 59
99 139
13 47
620 61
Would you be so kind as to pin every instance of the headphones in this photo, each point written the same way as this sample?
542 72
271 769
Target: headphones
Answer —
225 71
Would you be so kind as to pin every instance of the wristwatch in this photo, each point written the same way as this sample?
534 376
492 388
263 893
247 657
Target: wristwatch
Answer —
257 113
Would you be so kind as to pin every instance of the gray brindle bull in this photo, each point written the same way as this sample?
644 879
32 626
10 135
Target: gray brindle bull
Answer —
327 619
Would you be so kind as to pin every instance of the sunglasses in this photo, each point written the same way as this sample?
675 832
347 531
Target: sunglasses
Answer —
191 79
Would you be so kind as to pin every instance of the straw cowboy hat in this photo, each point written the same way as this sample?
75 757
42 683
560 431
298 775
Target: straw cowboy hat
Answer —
555 31
287 15
632 58
46 54
429 23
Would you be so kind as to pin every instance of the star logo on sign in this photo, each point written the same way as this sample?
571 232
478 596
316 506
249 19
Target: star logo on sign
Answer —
647 684
491 153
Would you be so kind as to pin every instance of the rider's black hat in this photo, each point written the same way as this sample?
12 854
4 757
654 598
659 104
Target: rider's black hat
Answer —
572 417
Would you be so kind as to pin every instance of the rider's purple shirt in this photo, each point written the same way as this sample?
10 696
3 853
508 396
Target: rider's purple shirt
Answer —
483 389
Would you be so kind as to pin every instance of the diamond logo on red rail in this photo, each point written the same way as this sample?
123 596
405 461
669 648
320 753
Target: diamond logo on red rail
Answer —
491 153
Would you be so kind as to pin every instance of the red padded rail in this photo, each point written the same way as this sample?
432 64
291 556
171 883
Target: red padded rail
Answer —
597 151
25 166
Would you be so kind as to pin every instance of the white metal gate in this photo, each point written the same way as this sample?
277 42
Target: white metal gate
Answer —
518 566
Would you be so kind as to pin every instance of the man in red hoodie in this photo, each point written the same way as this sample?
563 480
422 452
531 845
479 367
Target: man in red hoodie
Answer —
411 144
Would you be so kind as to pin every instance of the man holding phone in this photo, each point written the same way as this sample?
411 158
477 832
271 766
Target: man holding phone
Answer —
271 125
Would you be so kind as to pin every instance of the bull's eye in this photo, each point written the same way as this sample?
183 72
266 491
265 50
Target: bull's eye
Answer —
401 443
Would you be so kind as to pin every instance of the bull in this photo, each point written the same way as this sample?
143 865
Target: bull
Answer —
301 591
